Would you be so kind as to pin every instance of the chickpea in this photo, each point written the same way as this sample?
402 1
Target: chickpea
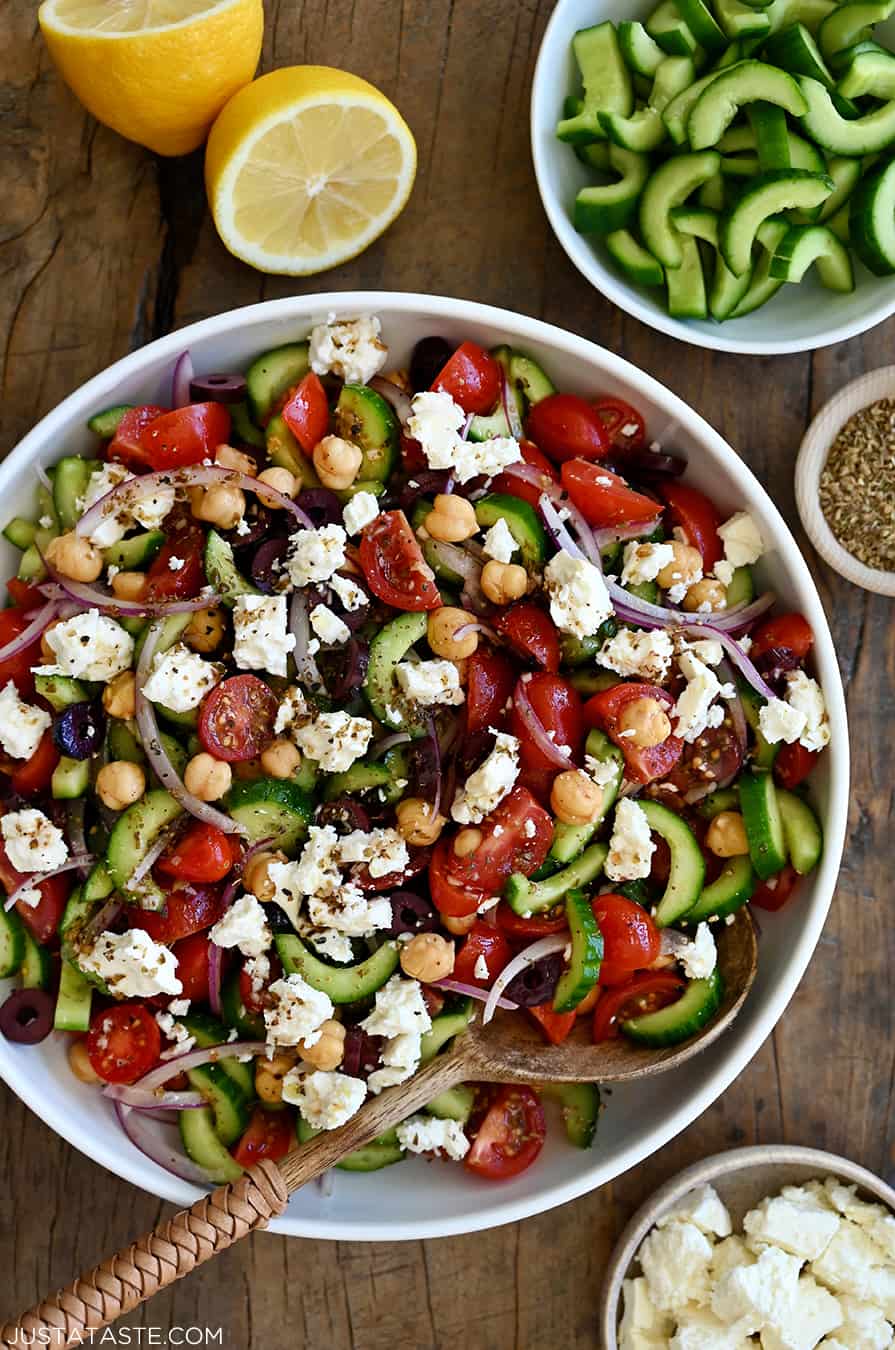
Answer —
443 624
280 759
575 799
205 630
503 582
226 457
726 836
120 784
220 505
427 957
79 1062
269 1075
467 841
685 568
281 480
128 585
337 462
256 878
645 721
452 519
706 592
74 557
120 695
207 778
326 1053
459 924
415 821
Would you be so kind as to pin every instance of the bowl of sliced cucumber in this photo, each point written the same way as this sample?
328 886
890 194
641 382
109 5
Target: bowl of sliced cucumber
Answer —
724 170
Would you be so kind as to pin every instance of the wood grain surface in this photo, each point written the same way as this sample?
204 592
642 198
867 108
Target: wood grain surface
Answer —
102 248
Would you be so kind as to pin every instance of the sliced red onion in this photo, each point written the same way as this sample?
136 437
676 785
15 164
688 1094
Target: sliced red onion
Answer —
191 1059
702 632
632 610
144 1099
151 856
101 922
35 878
530 473
735 705
300 626
36 626
74 826
145 1136
215 971
183 373
107 603
535 728
557 530
464 433
476 627
394 397
456 559
472 991
511 412
584 535
617 534
546 946
388 743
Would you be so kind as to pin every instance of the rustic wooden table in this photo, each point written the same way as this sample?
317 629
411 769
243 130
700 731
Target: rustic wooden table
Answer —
103 249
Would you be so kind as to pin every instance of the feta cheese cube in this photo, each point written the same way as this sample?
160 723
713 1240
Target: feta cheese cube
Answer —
704 1207
644 562
33 842
384 851
88 646
325 1100
579 600
486 786
646 655
348 591
335 740
399 1007
779 721
761 1295
245 926
430 682
148 511
22 725
864 1326
180 679
261 640
426 1134
846 1264
631 847
400 1061
132 964
293 712
360 511
815 1313
499 542
694 704
175 1032
298 1012
675 1261
349 348
328 626
436 421
743 542
806 697
700 1329
780 1223
640 1315
350 911
700 955
730 1254
315 555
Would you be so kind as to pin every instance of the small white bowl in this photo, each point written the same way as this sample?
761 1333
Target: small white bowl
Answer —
800 318
742 1177
816 444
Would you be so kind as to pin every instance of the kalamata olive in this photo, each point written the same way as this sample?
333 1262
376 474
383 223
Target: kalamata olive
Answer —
642 463
773 665
322 505
217 389
345 814
266 560
27 1016
278 920
424 767
426 483
411 914
362 1053
78 730
430 356
258 524
536 983
344 668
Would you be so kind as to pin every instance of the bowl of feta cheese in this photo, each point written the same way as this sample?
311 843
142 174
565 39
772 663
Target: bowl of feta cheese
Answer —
431 1201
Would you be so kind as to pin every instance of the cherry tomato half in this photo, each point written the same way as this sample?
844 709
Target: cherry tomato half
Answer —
624 425
202 853
458 885
510 1137
698 517
793 764
538 926
774 893
785 630
644 994
554 1026
126 446
186 435
17 668
642 764
269 1135
237 718
472 378
42 919
604 498
630 937
530 632
185 540
490 681
557 704
565 427
23 595
481 944
32 776
306 412
191 954
394 566
188 909
123 1042
513 486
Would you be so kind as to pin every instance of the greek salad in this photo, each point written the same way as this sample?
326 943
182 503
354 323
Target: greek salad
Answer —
336 699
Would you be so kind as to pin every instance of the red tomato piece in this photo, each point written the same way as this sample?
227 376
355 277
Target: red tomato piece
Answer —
42 920
643 994
565 427
518 487
554 1026
458 885
557 705
714 757
642 764
269 1135
538 926
785 630
482 943
412 455
491 679
188 909
202 853
123 1042
32 776
604 498
254 1001
774 893
793 765
24 596
530 632
451 895
13 622
698 517
126 445
306 412
237 718
511 1135
394 566
630 937
185 540
624 425
186 435
192 966
472 378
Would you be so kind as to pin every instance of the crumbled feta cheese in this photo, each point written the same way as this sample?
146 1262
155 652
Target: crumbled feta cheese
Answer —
384 851
815 1313
22 725
779 721
778 1222
325 1100
176 1032
33 842
132 964
729 1254
700 1329
762 1294
298 1012
399 1007
257 968
335 740
704 1207
724 571
349 348
480 969
499 542
327 942
602 771
700 955
430 682
645 654
180 679
863 1327
708 650
88 646
350 594
426 1134
642 1325
261 640
360 511
695 701
328 626
30 896
179 1007
644 562
315 873
579 600
436 422
314 555
176 564
806 696
400 1061
351 911
293 712
846 1265
148 511
675 1262
743 543
631 847
486 786
244 926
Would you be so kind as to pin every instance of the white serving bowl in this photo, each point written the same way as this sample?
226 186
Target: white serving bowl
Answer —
800 318
420 1199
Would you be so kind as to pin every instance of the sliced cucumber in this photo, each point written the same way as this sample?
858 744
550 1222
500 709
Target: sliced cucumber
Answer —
107 422
764 825
803 245
207 1030
801 831
635 261
671 31
99 884
768 122
69 485
811 13
869 73
681 1020
133 834
742 587
71 778
675 74
606 80
202 1144
455 1104
742 21
527 897
522 522
762 286
865 135
36 970
723 799
793 49
670 186
596 156
271 809
381 690
677 113
767 195
73 1000
343 984
222 573
365 419
225 1097
743 83
852 23
639 52
687 297
529 379
12 943
61 691
21 533
284 452
136 553
243 430
580 1106
610 206
687 872
726 289
272 375
444 1028
381 1152
702 24
871 219
727 893
583 970
643 131
765 752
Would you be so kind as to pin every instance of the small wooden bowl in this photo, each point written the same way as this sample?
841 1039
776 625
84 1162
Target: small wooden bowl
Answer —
742 1177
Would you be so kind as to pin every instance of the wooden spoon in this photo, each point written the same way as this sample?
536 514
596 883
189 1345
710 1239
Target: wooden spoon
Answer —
508 1050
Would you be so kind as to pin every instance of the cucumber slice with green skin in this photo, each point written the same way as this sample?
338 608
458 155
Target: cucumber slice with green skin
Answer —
801 831
168 632
681 1020
794 49
727 893
742 20
768 121
852 23
840 226
73 1000
763 822
343 984
763 287
271 809
12 943
675 74
742 587
871 220
865 135
99 884
133 835
71 779
580 1106
595 156
444 1028
133 555
670 30
222 573
677 113
69 484
764 753
485 425
583 970
610 206
234 1012
726 289
526 897
284 452
570 841
713 194
21 533
670 186
121 743
803 245
702 24
636 262
869 72
363 776
811 13
61 691
365 419
846 175
381 1152
687 872
529 379
739 166
639 52
226 1098
724 799
36 969
643 131
606 80
743 83
107 422
272 375
521 521
687 297
208 1030
203 1146
767 195
389 646
455 1104
243 430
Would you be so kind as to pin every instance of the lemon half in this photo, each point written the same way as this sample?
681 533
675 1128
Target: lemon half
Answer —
306 167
